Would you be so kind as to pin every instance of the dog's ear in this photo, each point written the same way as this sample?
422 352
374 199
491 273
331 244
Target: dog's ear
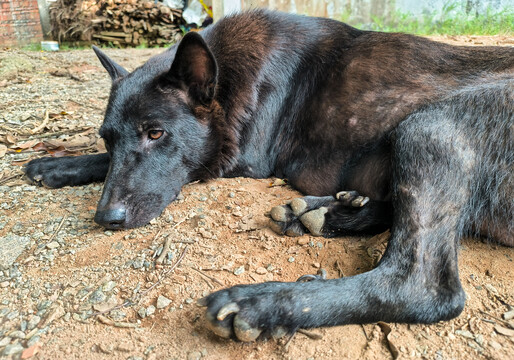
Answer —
114 70
195 68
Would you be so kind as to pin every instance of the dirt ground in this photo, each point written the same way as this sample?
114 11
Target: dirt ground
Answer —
58 268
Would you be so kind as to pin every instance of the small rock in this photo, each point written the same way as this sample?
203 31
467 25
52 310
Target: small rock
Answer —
238 271
491 289
33 340
18 334
317 265
34 320
195 355
150 310
261 271
291 259
138 263
108 286
53 313
5 341
509 315
189 301
180 196
142 313
4 284
495 345
30 351
108 233
479 339
303 240
465 333
97 297
52 245
12 349
231 195
162 302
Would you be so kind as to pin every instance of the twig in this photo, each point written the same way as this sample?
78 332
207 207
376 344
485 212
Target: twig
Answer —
165 273
496 318
58 228
43 124
310 334
9 178
165 249
208 277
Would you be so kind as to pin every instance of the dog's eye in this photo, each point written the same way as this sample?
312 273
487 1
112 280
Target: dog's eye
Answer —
155 134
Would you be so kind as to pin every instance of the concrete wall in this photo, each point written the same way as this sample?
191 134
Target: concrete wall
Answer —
362 11
19 22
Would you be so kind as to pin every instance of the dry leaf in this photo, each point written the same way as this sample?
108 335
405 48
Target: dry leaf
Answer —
386 329
503 330
278 182
26 145
3 150
10 139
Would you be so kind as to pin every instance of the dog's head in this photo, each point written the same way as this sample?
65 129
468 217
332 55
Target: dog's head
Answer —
157 130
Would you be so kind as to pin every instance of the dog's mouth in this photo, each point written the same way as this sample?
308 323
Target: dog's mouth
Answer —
140 214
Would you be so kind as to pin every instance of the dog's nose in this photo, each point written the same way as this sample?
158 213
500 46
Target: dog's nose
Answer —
111 218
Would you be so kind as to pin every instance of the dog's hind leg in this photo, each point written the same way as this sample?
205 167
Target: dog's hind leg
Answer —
68 170
347 213
416 280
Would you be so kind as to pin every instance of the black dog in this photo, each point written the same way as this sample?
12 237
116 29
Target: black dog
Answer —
423 130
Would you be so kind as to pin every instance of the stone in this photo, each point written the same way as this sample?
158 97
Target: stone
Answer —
238 271
194 355
260 270
12 349
150 310
52 245
162 302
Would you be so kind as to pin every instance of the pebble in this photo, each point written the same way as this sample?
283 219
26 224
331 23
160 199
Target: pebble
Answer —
108 286
261 271
138 263
465 333
162 302
150 310
509 315
303 241
33 340
52 245
18 334
291 259
195 355
231 195
495 345
5 341
142 313
4 284
13 349
34 320
97 296
238 271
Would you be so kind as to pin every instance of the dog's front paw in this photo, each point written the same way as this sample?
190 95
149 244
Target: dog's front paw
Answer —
247 312
47 172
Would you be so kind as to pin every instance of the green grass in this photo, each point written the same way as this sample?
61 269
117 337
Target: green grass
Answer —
452 21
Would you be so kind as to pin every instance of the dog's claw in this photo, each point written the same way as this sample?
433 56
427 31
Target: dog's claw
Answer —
244 331
314 220
322 275
226 310
360 201
342 194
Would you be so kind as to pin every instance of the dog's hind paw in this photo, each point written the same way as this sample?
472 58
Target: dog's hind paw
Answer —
309 214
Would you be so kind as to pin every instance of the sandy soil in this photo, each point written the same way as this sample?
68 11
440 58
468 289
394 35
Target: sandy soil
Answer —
58 268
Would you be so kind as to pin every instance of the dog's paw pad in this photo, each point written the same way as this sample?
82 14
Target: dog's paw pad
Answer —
314 220
279 213
244 331
299 206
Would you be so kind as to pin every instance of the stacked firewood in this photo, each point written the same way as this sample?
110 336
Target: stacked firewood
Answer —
118 22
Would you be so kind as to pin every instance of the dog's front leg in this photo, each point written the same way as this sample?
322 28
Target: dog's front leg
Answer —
68 170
